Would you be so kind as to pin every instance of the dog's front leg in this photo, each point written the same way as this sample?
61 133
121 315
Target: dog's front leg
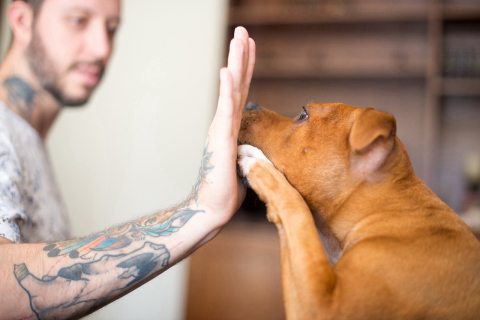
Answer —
307 277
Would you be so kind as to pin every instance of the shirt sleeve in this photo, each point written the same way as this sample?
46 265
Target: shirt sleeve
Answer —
12 211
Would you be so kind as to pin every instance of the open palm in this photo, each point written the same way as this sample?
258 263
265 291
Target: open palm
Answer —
220 190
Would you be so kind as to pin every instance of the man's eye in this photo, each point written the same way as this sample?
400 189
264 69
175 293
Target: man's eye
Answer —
77 21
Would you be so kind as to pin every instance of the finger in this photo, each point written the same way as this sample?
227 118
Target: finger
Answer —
251 63
225 100
248 73
242 35
235 63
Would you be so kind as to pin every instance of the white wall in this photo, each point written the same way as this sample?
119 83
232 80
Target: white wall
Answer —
137 146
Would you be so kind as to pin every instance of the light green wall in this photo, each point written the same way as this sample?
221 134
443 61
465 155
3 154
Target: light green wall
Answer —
4 29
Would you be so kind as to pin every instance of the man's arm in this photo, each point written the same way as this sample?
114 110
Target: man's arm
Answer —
75 277
71 278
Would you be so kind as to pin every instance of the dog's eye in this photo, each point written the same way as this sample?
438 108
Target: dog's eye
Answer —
303 115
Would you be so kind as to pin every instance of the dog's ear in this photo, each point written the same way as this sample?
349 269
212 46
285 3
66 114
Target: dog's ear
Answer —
372 138
369 126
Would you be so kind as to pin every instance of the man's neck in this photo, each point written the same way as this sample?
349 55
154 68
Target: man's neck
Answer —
21 92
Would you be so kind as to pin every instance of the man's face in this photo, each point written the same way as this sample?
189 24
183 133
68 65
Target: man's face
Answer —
71 44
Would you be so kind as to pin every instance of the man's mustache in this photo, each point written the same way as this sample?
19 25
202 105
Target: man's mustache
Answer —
99 65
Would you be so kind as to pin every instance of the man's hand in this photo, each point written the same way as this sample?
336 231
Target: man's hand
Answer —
220 190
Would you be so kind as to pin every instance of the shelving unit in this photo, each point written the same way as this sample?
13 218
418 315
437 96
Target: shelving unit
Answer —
373 44
454 95
388 54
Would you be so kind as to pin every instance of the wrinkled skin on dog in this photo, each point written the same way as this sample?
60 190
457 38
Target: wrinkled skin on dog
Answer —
390 248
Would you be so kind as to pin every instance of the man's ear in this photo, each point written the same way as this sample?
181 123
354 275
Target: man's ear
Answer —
20 18
372 138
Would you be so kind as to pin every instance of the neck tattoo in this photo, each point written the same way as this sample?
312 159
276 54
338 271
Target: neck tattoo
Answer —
20 96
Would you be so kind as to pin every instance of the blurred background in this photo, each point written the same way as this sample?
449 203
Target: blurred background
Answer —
136 147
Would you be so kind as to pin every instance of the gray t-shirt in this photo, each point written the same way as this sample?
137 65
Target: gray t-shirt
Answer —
31 208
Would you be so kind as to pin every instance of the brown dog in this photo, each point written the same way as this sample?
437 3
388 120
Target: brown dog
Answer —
391 248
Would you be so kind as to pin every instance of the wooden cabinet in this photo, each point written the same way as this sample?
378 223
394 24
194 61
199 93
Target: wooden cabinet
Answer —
237 275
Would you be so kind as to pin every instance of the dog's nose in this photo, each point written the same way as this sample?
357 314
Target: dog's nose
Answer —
251 106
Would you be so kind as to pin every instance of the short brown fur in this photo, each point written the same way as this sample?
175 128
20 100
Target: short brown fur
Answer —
395 250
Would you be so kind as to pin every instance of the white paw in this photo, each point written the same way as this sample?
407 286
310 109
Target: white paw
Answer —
247 156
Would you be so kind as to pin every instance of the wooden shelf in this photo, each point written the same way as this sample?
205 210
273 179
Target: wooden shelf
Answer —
338 74
331 66
392 52
269 14
461 12
460 87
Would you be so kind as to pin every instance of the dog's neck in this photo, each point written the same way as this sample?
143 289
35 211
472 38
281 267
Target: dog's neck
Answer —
344 228
330 243
343 224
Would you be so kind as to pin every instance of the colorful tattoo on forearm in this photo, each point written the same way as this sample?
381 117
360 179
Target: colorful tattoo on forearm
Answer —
124 255
121 253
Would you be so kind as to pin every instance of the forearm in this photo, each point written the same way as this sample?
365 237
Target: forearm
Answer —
72 278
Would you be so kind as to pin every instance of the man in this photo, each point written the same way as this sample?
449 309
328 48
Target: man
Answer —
59 51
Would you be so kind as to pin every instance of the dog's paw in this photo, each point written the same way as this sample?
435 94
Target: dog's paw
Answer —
247 157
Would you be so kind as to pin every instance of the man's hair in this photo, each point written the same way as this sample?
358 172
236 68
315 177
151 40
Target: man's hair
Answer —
36 5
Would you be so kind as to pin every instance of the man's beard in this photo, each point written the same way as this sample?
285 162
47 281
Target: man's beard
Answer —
44 69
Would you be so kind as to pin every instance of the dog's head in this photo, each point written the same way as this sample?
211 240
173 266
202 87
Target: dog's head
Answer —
327 151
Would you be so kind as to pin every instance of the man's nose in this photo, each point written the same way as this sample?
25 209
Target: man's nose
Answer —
99 44
251 106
